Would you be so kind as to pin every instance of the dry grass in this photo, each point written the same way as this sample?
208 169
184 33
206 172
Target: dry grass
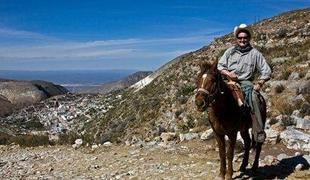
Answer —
31 140
279 89
283 105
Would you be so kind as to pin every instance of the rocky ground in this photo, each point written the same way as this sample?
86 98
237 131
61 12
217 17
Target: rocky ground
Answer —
195 159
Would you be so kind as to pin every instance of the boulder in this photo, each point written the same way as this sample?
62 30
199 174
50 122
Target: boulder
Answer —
304 88
273 136
307 76
189 136
280 60
270 160
208 134
167 136
294 76
295 139
299 167
282 156
77 143
303 123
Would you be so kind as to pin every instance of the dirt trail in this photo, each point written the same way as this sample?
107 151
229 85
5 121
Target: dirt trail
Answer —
189 160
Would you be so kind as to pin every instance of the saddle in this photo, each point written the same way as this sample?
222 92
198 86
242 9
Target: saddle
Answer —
237 93
239 96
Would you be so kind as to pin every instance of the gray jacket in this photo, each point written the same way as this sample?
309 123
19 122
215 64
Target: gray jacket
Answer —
244 65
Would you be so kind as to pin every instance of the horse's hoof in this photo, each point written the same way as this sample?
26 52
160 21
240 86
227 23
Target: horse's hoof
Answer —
228 177
254 169
219 178
242 169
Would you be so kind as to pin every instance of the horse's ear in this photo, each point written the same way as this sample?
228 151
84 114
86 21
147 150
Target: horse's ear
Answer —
214 65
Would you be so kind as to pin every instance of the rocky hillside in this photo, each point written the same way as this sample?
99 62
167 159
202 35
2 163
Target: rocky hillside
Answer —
119 85
163 101
16 94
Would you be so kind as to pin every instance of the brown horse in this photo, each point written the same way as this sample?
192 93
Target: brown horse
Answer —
225 117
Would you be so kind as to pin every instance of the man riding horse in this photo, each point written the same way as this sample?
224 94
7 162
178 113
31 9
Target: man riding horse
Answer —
238 64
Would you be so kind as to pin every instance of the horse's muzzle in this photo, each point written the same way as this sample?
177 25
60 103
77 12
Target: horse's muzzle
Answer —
200 103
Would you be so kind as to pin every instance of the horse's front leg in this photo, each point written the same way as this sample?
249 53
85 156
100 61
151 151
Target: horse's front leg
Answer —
230 154
222 152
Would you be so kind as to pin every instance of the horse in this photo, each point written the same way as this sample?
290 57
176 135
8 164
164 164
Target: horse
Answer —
225 118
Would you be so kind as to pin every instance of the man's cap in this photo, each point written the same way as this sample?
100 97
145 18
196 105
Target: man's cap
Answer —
242 27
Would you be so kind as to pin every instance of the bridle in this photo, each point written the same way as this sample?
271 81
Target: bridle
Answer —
214 91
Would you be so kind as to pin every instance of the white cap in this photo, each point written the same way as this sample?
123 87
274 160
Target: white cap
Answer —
241 27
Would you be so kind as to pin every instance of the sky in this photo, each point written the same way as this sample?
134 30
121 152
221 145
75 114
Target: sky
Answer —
119 34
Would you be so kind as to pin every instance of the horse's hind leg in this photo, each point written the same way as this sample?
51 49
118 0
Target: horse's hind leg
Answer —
247 143
256 160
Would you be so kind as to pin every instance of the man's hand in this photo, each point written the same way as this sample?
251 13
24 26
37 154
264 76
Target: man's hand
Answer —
230 75
258 86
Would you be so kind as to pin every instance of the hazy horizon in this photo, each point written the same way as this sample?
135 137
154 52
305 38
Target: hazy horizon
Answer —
71 78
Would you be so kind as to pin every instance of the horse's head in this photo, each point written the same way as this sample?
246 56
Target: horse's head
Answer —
207 85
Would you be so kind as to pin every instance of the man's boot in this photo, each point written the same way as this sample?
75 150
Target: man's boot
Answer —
258 131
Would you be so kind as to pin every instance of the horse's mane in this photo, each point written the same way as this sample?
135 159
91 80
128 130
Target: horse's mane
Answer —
208 67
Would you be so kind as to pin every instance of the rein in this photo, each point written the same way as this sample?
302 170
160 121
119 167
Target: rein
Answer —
213 95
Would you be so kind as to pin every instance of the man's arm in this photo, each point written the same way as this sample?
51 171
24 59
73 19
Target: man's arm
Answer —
264 70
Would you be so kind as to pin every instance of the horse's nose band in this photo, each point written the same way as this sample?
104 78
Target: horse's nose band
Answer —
203 90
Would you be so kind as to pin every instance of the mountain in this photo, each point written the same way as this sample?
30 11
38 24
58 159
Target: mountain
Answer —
119 85
164 100
16 94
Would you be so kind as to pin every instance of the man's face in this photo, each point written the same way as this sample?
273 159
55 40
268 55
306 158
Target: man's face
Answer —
243 39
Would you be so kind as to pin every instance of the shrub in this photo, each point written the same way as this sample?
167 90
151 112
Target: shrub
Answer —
285 74
34 124
303 73
282 33
29 140
4 138
282 104
68 138
279 88
186 90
